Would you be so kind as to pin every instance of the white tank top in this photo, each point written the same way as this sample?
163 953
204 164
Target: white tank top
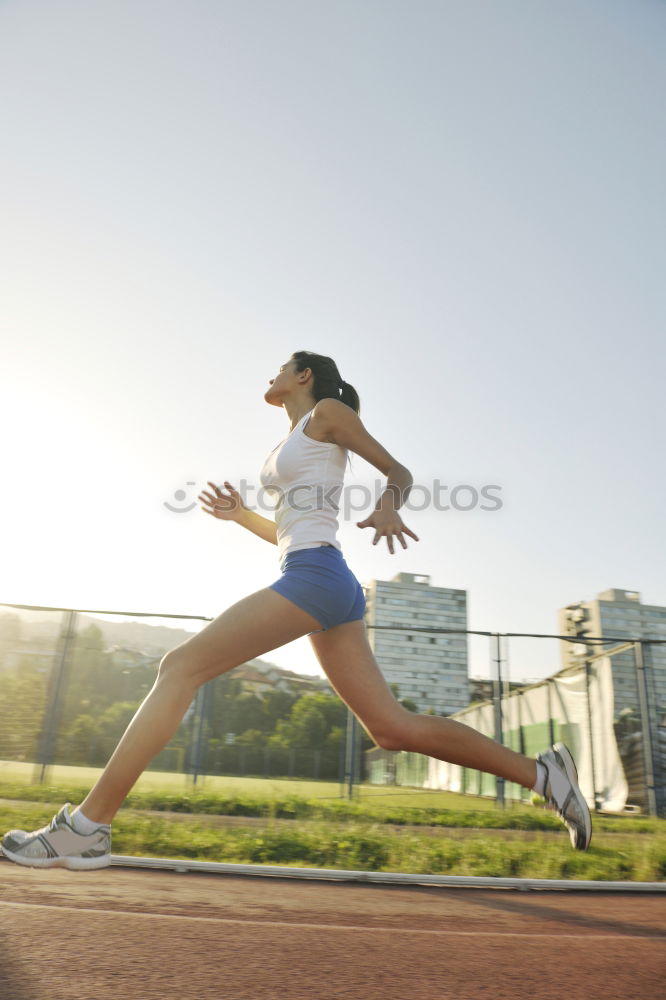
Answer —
305 477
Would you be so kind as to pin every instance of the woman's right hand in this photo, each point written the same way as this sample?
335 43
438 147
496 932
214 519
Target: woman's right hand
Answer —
227 506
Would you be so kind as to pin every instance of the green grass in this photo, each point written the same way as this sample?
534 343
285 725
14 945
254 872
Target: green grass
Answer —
371 846
289 800
307 824
16 773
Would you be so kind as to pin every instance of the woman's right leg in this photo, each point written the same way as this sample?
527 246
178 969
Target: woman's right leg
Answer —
348 660
251 627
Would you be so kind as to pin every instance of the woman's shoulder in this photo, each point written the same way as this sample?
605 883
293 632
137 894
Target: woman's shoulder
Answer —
333 411
330 405
327 416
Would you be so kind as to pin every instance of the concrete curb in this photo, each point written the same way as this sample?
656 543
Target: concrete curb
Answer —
392 878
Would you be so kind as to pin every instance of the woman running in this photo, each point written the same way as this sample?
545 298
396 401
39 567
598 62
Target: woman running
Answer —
316 595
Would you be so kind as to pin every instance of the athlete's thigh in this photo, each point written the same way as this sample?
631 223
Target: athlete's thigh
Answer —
254 625
350 665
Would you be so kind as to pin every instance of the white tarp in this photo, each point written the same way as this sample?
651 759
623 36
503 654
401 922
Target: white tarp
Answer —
564 700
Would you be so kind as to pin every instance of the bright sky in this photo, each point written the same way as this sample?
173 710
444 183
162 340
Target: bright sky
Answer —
460 201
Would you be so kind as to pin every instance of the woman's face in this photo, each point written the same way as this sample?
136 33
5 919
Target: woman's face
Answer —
281 383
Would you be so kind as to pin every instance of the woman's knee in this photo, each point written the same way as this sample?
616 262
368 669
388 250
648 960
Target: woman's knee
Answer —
392 732
183 666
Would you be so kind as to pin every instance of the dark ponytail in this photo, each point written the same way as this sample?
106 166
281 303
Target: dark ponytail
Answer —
326 381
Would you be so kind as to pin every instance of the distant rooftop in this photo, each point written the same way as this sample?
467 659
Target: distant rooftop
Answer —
411 578
620 595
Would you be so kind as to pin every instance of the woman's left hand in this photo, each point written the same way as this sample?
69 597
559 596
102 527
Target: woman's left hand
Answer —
387 523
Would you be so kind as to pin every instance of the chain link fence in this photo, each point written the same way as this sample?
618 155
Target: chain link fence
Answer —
71 681
609 708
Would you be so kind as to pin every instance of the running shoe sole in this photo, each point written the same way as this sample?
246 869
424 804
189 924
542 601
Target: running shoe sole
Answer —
59 845
73 863
572 775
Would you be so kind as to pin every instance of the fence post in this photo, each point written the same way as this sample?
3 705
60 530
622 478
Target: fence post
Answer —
497 699
350 755
588 669
523 793
551 721
198 731
646 727
56 687
658 732
343 751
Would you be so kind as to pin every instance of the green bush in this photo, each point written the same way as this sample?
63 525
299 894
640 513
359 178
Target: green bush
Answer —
362 846
298 807
367 835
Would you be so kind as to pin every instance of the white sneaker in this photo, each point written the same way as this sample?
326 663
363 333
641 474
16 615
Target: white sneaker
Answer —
59 845
564 796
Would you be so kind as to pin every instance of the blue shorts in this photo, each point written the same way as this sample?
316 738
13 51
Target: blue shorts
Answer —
320 581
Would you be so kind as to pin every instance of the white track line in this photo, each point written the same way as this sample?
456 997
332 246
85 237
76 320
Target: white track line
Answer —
356 928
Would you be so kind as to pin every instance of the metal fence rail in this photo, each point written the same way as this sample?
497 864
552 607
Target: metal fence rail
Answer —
47 716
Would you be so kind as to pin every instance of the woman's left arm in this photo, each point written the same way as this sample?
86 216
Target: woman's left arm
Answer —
341 425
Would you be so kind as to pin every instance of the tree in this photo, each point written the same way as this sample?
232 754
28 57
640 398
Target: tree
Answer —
277 705
84 741
244 712
306 726
98 677
252 738
22 703
112 724
310 722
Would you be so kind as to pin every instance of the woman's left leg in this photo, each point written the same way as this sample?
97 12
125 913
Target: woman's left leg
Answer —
349 663
251 627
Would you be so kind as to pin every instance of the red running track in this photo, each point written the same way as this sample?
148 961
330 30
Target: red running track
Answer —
146 935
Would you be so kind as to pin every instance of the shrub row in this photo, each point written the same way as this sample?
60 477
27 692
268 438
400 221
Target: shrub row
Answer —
299 808
372 847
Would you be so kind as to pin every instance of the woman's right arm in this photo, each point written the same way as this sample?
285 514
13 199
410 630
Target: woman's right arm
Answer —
259 525
229 506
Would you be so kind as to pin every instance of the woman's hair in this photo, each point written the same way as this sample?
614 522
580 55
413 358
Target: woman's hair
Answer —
327 383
